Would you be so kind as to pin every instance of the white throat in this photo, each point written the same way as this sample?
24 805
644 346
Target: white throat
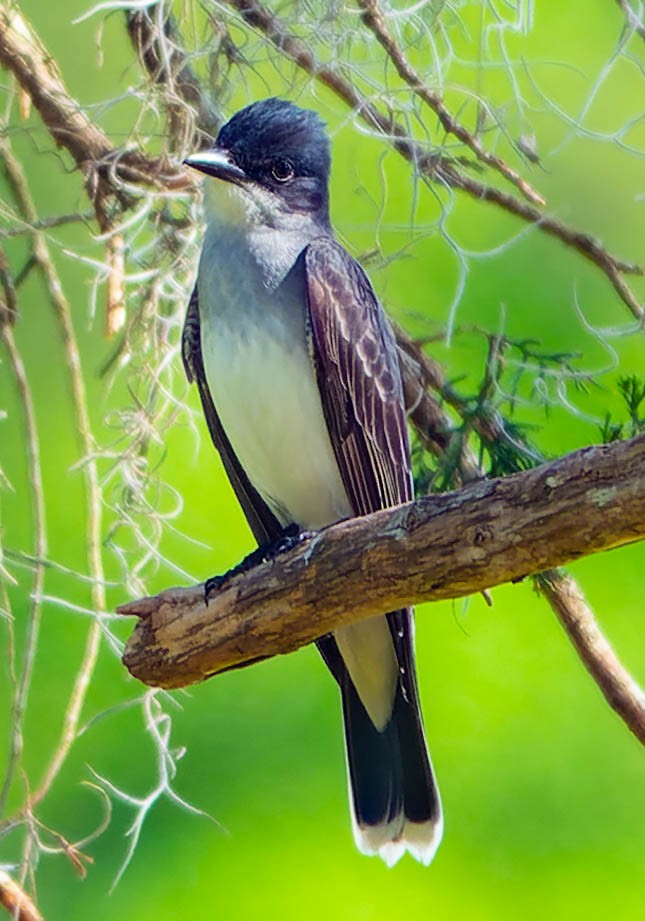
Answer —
275 237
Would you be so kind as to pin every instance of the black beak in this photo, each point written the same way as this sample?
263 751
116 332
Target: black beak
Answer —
217 162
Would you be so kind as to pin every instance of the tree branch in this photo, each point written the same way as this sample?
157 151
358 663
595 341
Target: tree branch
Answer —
16 900
376 21
446 546
618 687
431 165
22 52
162 55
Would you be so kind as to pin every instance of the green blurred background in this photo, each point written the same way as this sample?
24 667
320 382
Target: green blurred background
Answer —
543 786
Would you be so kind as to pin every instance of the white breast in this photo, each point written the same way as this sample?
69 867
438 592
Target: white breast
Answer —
263 386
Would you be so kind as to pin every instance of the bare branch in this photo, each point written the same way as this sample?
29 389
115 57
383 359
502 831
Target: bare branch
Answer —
432 166
375 20
44 223
415 363
36 490
20 189
445 546
8 304
22 52
429 417
618 687
115 313
162 55
14 898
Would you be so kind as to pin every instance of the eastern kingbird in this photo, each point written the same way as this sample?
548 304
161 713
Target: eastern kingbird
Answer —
299 380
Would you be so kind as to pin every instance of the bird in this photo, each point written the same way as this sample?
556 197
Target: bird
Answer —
297 371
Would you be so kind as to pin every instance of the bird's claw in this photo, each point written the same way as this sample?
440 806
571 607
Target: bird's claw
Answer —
213 585
291 537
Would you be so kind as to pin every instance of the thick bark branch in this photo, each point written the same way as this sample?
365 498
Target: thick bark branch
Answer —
446 546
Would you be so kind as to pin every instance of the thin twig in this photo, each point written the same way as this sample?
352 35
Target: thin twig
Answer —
26 207
115 307
36 490
376 22
632 19
21 228
115 301
14 898
23 53
620 690
8 304
432 166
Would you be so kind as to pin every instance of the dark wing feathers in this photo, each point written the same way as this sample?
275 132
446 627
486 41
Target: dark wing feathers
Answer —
262 521
360 387
356 362
358 375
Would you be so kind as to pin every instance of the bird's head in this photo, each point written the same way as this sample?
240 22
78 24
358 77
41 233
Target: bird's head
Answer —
273 159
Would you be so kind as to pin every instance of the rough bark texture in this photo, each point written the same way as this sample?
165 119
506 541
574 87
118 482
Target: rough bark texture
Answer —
446 546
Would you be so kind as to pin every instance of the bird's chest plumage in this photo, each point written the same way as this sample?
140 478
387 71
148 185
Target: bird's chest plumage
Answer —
263 384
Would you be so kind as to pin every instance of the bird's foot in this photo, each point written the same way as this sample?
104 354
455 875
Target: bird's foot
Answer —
290 537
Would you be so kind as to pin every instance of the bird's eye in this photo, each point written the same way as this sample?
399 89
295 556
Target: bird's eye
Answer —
282 170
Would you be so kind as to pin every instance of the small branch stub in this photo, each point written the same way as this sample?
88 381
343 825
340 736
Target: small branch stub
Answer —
445 546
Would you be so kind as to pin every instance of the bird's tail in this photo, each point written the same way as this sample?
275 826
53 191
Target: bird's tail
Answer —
394 796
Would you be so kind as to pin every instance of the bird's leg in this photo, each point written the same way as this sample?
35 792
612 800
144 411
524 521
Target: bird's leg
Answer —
290 537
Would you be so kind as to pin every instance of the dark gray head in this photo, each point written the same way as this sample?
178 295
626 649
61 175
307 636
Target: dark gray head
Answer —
277 147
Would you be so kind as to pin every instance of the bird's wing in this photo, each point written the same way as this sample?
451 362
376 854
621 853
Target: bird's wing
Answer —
356 363
262 521
359 379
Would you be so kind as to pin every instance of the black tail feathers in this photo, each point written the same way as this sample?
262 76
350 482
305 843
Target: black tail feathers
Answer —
395 799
